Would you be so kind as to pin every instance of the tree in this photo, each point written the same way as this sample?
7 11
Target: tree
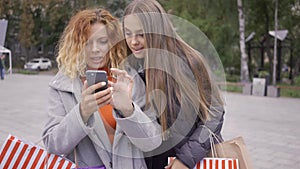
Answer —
26 27
260 19
116 7
244 57
216 20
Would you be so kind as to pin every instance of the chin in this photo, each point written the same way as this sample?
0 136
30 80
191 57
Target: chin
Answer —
96 66
139 55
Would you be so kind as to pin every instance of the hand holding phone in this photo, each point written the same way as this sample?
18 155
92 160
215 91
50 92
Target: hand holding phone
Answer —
96 76
91 100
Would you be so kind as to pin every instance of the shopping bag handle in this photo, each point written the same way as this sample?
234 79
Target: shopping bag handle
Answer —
41 139
213 136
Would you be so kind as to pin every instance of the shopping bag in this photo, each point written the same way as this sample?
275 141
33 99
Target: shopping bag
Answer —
234 148
215 163
16 153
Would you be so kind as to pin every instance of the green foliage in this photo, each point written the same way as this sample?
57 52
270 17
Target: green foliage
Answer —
290 93
26 36
297 81
216 19
116 7
263 74
232 78
26 72
41 22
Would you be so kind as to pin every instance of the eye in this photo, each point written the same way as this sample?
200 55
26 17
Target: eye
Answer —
102 41
88 43
128 33
140 35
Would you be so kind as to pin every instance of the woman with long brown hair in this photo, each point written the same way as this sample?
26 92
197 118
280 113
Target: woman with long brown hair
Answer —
96 128
178 85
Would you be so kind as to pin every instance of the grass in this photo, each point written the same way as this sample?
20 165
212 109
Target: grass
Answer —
235 89
290 93
26 72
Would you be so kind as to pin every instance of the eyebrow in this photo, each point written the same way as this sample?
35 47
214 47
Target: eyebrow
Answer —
137 32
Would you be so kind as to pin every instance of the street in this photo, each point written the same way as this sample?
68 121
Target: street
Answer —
269 126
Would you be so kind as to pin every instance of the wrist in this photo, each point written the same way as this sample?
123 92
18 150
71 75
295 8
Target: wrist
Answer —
83 116
128 111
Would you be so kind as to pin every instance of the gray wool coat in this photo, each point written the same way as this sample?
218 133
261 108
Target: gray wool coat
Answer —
66 134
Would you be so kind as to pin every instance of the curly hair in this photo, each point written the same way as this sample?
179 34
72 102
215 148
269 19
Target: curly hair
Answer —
71 57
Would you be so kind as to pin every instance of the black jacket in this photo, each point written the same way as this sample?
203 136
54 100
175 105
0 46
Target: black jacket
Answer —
193 147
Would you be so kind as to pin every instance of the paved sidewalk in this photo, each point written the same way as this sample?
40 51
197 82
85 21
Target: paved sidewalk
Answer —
23 101
270 126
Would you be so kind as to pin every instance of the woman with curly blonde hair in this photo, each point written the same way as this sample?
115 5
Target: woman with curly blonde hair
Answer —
96 128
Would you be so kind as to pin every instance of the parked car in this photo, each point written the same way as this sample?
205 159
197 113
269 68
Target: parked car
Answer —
38 64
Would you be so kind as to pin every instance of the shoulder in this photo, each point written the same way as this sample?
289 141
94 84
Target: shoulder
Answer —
62 82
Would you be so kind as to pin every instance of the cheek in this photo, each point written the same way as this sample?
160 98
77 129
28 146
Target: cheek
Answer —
104 48
142 41
87 52
128 40
88 60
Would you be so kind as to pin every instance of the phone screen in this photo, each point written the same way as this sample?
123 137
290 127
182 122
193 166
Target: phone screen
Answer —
96 76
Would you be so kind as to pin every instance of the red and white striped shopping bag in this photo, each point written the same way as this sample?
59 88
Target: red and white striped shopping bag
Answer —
215 163
15 153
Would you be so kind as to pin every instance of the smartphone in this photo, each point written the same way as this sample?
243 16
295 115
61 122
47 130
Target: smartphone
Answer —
96 76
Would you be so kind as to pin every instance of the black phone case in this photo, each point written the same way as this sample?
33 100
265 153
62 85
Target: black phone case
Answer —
96 76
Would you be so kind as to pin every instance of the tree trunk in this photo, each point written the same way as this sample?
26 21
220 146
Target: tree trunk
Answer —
275 44
296 68
244 57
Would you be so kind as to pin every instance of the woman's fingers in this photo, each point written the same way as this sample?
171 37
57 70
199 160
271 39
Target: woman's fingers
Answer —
110 83
103 96
83 90
102 93
92 88
169 165
118 72
106 102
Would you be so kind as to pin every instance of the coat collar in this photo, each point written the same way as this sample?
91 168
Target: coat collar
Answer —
65 83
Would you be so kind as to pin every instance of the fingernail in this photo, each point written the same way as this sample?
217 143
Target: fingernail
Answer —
103 83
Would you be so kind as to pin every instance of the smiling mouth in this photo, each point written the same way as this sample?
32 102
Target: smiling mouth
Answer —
97 60
137 50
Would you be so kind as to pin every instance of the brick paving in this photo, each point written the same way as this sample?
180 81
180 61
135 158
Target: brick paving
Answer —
270 126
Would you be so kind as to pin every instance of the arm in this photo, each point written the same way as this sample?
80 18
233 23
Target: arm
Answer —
139 126
198 145
69 121
63 130
143 132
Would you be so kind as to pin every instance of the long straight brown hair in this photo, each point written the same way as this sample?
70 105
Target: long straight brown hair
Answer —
172 66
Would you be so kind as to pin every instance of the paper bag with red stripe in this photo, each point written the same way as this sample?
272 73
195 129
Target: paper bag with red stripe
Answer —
215 163
16 153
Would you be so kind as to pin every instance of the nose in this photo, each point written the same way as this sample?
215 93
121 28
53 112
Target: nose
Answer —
134 40
95 47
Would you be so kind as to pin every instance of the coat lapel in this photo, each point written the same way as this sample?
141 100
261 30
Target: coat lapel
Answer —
101 141
101 134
